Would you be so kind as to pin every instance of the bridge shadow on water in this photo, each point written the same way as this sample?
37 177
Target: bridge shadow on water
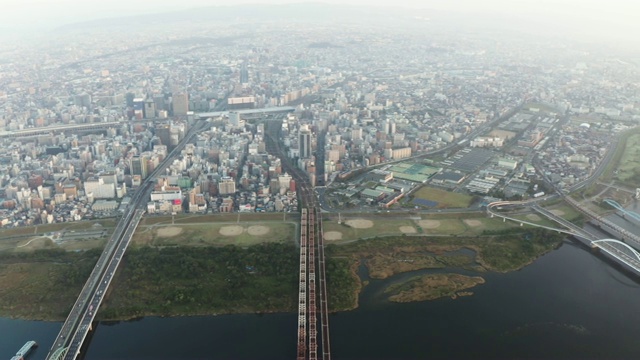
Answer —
87 342
619 273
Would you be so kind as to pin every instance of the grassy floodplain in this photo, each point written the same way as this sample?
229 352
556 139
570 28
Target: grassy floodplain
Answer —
194 265
628 169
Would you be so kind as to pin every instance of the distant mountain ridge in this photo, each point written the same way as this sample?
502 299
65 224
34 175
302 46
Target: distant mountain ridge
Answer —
297 12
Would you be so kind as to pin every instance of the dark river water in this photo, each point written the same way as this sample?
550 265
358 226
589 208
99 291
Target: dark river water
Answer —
569 304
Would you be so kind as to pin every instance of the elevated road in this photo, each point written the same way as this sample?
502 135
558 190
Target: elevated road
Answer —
492 210
620 252
577 230
249 112
87 317
83 305
78 323
617 251
58 129
606 224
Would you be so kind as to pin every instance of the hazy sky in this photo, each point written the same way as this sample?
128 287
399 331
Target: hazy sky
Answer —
612 17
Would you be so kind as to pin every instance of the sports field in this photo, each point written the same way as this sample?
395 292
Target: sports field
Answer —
215 233
445 199
368 227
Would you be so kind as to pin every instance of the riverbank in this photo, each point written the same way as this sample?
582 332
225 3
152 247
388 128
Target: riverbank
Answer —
502 252
190 281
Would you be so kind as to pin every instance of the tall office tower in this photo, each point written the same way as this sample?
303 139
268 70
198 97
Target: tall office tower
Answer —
159 103
305 142
164 133
385 126
244 74
149 109
138 108
234 118
180 104
139 166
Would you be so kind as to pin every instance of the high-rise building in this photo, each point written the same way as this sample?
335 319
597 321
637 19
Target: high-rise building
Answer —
139 166
138 108
164 133
159 102
305 142
227 186
244 74
149 109
234 118
180 104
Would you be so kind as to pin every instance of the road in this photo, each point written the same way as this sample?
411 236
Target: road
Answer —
78 323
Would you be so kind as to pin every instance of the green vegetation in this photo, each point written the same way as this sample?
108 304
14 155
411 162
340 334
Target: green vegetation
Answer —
183 274
497 250
445 199
343 284
628 169
432 286
511 250
215 233
621 150
442 224
43 284
193 281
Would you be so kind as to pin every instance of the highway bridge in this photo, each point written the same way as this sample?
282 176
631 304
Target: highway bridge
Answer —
86 307
606 224
615 250
494 210
78 323
75 328
312 287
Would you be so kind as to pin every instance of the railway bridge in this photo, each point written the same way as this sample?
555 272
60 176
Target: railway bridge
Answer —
312 287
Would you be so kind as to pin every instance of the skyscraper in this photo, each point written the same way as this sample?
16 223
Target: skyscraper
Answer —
139 166
180 104
138 108
149 109
305 142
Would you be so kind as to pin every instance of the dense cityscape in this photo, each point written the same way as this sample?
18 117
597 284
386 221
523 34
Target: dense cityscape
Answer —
343 113
318 162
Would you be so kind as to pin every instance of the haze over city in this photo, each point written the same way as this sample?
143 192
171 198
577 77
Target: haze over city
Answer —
595 20
265 179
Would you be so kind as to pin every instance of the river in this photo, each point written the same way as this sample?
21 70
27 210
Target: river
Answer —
567 304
